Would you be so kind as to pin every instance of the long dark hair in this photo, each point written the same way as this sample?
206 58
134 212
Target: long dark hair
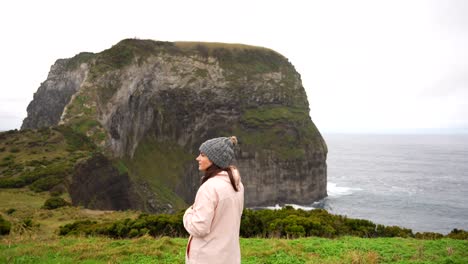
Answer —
214 169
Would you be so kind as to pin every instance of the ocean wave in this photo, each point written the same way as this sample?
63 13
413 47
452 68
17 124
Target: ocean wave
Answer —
335 191
332 190
295 206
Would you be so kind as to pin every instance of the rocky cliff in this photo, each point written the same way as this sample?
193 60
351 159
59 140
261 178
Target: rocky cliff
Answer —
148 105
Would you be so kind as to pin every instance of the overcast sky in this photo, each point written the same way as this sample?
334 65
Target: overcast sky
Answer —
367 66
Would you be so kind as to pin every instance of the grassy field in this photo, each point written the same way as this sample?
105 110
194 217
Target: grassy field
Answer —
171 250
38 242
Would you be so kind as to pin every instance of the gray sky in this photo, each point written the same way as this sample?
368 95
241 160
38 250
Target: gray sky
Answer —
367 66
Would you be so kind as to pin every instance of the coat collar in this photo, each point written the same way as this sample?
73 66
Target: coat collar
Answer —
235 173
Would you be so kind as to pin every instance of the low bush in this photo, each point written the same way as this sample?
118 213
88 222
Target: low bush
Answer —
284 223
9 158
154 225
46 183
27 223
5 226
54 203
56 193
428 235
76 141
78 227
53 172
458 234
14 150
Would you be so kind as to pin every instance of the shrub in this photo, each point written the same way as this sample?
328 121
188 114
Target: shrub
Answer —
428 235
154 225
10 211
9 158
458 234
56 193
251 224
294 231
75 140
76 228
27 223
5 226
57 170
14 150
284 223
46 183
134 233
396 231
54 203
36 163
7 163
11 132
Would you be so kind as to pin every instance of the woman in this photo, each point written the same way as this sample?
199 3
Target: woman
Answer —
213 221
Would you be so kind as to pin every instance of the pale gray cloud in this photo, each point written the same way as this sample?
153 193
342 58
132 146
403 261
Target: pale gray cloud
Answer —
453 84
366 65
452 14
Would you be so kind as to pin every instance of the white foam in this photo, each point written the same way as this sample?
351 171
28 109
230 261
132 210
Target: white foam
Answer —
295 206
305 208
276 207
334 191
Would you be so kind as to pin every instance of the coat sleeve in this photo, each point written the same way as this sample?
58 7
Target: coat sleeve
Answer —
198 217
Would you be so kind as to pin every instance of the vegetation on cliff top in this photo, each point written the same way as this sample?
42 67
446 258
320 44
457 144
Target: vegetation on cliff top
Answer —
41 159
75 62
281 130
236 58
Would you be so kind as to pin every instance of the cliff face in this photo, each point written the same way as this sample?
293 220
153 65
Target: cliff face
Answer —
149 105
53 95
96 184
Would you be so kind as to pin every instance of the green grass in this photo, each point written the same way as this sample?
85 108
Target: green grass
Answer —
40 242
161 165
172 250
237 59
27 205
77 60
80 113
210 46
267 116
30 145
42 158
279 129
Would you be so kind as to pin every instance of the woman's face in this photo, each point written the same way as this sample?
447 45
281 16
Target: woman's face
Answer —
203 162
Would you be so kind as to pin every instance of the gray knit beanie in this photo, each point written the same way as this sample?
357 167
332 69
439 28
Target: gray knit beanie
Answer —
220 150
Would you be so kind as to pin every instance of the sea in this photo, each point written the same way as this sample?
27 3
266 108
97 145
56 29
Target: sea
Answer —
413 181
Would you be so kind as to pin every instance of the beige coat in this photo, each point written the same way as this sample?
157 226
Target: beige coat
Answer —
213 221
